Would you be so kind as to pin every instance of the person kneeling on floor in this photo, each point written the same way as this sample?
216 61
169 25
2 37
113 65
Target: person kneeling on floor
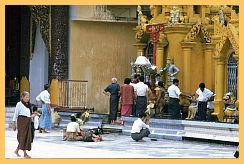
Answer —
139 128
90 136
73 132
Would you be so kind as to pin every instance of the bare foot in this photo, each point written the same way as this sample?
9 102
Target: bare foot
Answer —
17 153
27 156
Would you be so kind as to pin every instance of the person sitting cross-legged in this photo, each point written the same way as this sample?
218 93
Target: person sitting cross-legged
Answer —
73 132
139 128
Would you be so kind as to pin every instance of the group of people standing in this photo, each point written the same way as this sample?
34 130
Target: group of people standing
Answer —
140 127
203 96
24 118
133 97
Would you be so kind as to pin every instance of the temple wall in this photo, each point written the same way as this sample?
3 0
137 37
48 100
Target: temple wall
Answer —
98 52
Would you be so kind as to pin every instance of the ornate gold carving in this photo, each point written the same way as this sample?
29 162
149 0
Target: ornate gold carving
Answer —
193 33
199 26
234 18
221 31
40 15
139 33
233 36
142 19
224 32
206 34
162 37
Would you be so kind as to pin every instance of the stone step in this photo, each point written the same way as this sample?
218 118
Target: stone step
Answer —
9 125
10 110
160 131
109 126
9 114
178 129
158 135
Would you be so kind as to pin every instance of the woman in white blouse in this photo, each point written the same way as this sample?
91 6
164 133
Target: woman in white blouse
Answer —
22 122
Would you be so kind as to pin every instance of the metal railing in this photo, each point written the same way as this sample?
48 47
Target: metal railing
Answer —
72 94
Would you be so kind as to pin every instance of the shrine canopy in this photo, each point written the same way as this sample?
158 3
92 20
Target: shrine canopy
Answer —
142 60
143 63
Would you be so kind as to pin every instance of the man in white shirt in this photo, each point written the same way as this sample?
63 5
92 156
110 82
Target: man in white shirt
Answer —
46 118
141 92
139 128
173 105
204 95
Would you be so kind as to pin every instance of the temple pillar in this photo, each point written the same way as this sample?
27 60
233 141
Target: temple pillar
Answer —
187 51
58 61
25 42
140 48
219 88
175 34
160 56
208 66
54 92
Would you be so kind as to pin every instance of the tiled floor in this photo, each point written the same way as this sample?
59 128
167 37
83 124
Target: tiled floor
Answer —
116 146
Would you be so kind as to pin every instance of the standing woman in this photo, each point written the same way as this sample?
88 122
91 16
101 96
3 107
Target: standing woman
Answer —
160 98
45 119
113 91
127 98
22 122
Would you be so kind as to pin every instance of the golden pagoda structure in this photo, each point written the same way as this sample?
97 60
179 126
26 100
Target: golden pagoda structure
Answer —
202 40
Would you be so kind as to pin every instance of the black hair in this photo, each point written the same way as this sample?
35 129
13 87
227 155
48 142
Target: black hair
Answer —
78 115
141 78
142 114
127 80
175 81
136 76
34 109
72 118
46 86
161 84
148 84
202 85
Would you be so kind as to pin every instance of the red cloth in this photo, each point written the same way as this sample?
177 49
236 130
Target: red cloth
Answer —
126 110
127 94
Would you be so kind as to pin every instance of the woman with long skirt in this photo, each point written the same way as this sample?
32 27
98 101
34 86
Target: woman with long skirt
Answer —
22 122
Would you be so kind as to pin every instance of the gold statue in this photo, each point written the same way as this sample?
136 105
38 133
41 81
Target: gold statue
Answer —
142 19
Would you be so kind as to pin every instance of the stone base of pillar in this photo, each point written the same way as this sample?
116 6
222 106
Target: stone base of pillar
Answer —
219 110
237 103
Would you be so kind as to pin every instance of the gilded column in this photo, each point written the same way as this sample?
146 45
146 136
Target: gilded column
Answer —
140 48
160 56
208 66
187 51
219 87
